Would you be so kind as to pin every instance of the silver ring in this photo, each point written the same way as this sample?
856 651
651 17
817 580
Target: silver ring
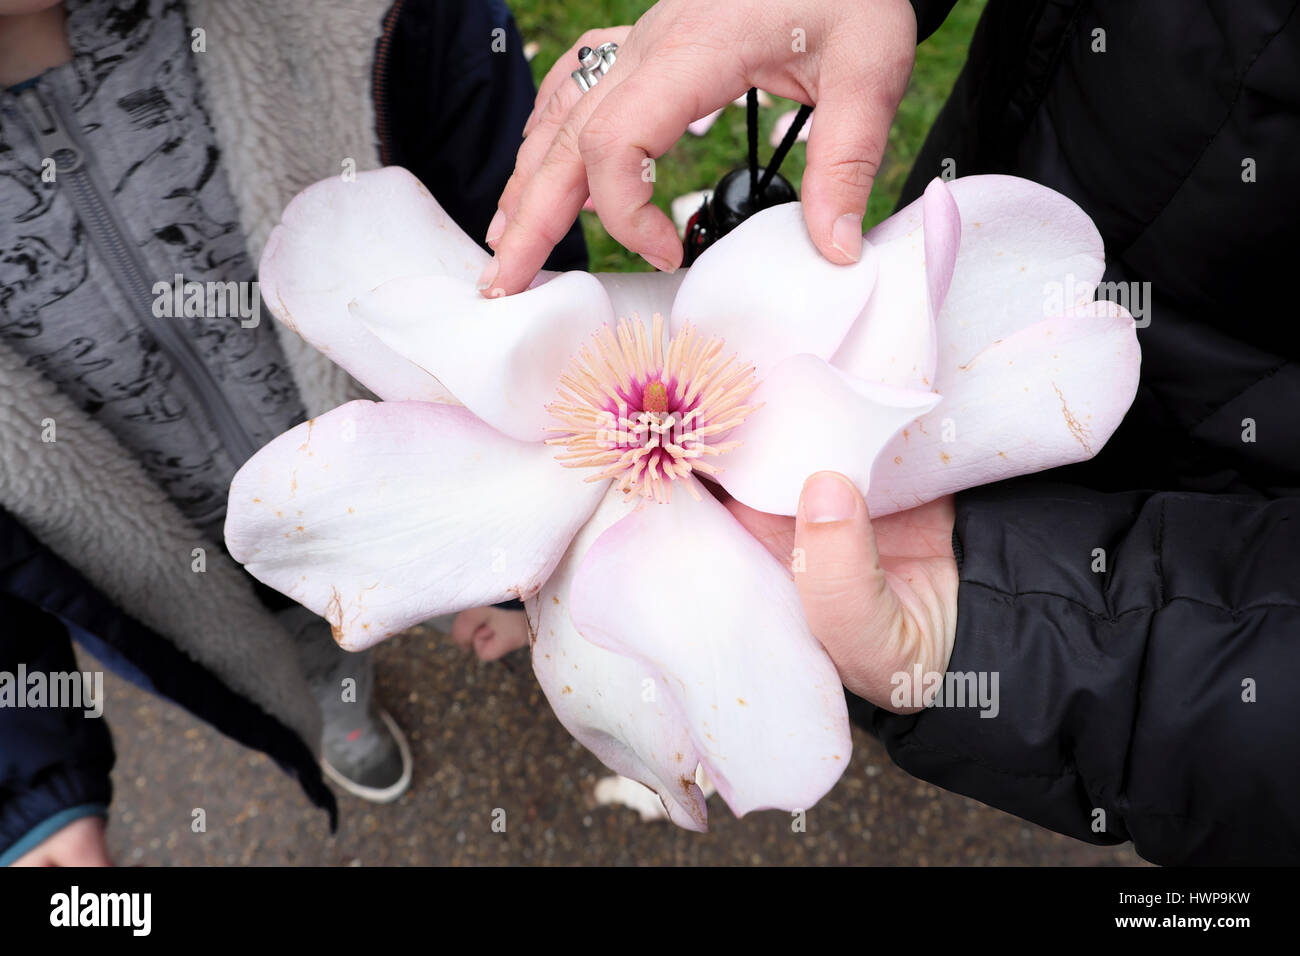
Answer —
593 64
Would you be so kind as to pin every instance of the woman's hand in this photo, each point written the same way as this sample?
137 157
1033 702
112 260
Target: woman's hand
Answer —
682 60
880 595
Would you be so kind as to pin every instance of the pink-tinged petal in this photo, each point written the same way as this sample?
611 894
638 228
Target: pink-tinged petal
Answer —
893 342
1027 253
380 515
641 293
601 697
702 125
942 240
783 124
1046 396
766 289
685 590
686 206
813 418
339 239
502 358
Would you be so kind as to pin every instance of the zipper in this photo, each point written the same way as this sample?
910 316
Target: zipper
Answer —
379 81
128 270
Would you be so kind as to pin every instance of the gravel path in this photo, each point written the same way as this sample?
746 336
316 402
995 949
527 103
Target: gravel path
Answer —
484 739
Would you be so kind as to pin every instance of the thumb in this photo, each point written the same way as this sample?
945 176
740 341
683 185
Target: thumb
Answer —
847 600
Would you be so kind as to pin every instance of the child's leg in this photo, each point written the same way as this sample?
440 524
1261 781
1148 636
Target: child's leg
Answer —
362 748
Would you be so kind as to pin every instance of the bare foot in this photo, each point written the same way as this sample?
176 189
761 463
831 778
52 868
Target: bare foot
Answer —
490 632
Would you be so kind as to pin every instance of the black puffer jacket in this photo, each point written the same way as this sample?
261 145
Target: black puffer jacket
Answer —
1157 701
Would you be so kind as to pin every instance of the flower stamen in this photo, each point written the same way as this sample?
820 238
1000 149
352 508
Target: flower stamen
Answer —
646 416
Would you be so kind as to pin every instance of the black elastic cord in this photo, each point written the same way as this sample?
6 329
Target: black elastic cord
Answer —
751 121
790 136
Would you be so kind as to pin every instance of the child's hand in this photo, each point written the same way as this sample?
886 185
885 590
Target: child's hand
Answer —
80 843
491 632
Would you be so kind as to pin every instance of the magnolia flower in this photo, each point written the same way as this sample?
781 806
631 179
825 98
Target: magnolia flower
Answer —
553 446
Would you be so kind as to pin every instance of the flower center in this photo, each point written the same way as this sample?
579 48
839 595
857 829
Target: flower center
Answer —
647 416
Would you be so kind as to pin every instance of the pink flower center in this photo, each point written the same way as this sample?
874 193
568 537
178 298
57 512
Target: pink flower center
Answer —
646 415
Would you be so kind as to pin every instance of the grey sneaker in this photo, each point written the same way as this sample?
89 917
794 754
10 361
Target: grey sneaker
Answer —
362 748
371 761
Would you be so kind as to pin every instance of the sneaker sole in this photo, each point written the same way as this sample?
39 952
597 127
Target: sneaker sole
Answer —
378 794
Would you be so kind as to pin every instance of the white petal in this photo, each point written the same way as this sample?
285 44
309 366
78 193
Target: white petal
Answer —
641 293
893 341
1027 253
813 418
600 697
380 515
502 357
339 239
766 289
685 590
1045 396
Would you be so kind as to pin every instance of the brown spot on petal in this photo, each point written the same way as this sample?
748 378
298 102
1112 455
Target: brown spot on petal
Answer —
311 423
334 614
1076 427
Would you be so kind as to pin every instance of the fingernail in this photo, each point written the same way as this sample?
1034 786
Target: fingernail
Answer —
663 265
495 228
488 274
846 235
828 497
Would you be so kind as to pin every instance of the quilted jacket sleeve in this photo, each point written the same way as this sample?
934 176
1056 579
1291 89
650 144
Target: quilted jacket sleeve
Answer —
1147 653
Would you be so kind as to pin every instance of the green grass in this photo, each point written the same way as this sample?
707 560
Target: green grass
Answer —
699 162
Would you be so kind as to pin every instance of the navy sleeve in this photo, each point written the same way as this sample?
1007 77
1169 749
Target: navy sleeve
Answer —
453 92
1147 647
54 761
44 595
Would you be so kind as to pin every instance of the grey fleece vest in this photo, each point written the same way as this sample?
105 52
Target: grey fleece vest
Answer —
88 261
